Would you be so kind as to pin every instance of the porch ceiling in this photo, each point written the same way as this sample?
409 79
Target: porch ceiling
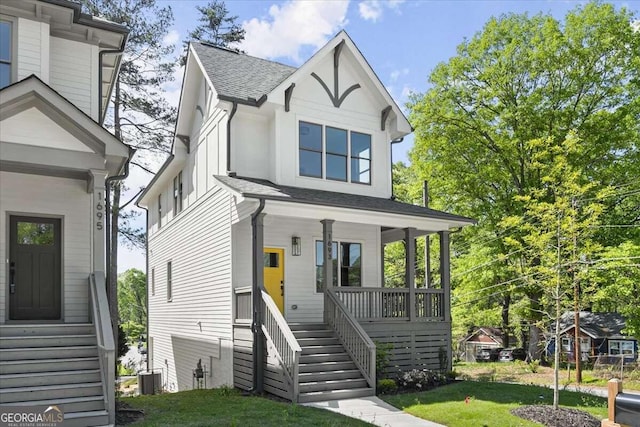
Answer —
317 204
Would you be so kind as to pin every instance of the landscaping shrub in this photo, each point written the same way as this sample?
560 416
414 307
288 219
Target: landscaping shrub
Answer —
417 379
387 386
383 353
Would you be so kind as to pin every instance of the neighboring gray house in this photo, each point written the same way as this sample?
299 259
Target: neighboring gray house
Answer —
267 227
601 334
57 69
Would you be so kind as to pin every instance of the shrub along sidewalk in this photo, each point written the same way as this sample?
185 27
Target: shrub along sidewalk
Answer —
227 407
472 404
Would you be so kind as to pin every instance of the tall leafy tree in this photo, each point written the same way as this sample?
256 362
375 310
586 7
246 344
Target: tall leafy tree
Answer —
525 78
132 302
140 116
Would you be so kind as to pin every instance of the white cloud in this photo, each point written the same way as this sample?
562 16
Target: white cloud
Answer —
372 10
293 25
636 25
172 37
396 74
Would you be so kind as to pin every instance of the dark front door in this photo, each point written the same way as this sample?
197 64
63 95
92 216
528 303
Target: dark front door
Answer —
35 265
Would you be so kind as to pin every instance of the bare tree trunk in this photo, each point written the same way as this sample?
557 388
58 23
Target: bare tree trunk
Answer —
556 355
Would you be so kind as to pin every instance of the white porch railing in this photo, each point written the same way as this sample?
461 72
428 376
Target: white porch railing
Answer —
104 337
354 339
276 330
371 304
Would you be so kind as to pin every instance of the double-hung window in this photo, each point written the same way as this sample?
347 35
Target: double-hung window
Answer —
346 260
169 282
335 154
159 211
6 52
620 347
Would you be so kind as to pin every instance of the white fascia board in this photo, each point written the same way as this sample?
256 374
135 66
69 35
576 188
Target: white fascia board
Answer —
383 219
165 175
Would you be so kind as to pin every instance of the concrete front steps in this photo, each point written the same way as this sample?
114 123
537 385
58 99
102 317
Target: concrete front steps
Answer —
53 364
326 370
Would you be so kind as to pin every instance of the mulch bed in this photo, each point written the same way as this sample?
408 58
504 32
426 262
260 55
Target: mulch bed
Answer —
562 417
125 414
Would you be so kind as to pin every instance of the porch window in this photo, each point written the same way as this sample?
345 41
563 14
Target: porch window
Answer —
177 194
6 52
347 265
333 153
617 347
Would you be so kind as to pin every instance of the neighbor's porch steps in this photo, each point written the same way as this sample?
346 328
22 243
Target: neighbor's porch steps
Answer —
326 371
53 364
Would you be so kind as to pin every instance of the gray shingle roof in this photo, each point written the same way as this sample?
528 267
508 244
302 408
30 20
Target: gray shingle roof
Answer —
598 325
260 188
237 75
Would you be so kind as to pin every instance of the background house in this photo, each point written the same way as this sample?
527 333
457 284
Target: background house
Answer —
57 68
267 227
601 334
479 338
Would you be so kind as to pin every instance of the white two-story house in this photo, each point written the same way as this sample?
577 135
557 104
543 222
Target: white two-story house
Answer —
57 69
267 226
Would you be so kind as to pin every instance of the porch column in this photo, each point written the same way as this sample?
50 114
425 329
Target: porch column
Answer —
257 248
445 282
327 264
427 239
96 187
410 270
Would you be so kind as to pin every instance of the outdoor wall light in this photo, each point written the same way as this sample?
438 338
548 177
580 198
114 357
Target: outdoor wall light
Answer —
296 246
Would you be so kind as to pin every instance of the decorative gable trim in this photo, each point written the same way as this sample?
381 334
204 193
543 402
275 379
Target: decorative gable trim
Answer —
335 97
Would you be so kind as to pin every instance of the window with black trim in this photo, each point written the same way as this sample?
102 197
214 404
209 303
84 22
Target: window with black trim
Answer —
159 211
346 264
335 154
153 281
177 194
6 52
169 282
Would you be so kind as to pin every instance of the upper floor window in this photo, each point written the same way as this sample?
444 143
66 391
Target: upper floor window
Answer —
6 52
177 194
334 153
169 282
159 211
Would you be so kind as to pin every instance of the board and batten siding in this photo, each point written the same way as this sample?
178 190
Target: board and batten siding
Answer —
299 271
196 323
34 195
72 72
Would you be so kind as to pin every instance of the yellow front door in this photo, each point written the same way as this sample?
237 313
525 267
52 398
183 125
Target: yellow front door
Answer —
274 275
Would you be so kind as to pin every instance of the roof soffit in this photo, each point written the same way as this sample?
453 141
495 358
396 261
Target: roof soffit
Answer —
33 93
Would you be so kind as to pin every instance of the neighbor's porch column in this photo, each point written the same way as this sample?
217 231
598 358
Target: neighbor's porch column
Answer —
410 270
96 187
327 260
257 249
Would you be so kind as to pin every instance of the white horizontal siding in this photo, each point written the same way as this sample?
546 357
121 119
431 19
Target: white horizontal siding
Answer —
299 281
71 72
30 49
35 195
198 244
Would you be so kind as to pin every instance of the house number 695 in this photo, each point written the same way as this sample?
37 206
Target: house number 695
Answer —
99 213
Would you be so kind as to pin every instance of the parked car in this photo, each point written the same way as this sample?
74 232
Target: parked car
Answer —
511 354
488 354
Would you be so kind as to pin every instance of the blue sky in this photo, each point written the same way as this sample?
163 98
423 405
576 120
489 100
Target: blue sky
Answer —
402 40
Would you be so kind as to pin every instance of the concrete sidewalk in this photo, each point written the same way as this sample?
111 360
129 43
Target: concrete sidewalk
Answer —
373 410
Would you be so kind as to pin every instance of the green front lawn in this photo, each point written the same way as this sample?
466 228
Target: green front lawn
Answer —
227 407
488 404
